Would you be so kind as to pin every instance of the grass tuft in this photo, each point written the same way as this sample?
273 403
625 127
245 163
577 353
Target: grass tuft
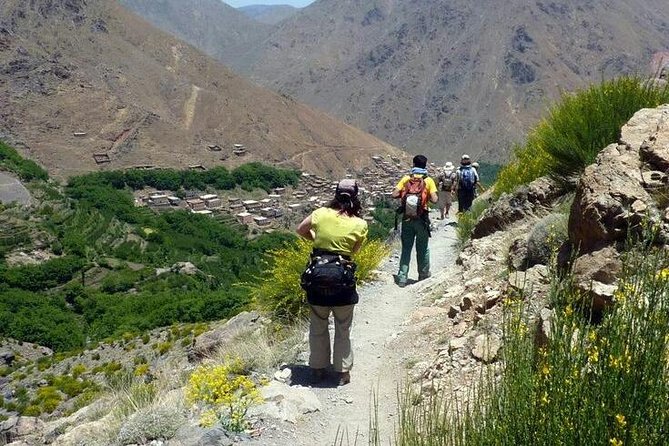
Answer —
577 129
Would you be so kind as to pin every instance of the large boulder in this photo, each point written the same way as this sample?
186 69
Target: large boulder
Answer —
286 403
21 429
643 125
596 274
511 208
610 200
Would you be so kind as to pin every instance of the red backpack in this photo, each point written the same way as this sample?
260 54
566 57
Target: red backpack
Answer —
414 197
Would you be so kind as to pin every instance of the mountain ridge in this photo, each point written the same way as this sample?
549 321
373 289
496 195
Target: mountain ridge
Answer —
451 77
269 14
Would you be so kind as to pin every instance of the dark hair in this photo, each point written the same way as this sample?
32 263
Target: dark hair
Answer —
420 161
346 204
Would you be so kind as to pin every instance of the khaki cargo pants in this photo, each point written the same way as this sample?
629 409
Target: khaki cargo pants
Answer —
319 338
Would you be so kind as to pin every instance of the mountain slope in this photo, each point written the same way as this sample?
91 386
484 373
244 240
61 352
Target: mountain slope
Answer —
210 25
268 14
85 77
454 76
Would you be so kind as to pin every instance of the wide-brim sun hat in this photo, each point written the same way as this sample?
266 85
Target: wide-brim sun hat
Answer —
448 165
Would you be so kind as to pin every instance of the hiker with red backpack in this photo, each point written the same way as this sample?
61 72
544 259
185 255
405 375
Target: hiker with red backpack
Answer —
416 191
467 180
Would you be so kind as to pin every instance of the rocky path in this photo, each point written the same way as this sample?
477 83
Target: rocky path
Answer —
379 323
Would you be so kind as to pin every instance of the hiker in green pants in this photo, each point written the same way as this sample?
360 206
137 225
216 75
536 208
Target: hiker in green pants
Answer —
415 190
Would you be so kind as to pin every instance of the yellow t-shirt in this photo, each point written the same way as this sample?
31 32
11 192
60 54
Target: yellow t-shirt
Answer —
337 232
430 185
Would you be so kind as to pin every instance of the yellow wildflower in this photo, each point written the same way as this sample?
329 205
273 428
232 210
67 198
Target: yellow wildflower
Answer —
544 399
568 311
615 442
545 370
620 419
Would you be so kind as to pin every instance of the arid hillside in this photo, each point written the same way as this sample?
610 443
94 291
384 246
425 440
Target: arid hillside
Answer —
86 85
454 76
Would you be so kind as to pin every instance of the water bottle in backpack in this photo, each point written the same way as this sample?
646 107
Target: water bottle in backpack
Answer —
414 198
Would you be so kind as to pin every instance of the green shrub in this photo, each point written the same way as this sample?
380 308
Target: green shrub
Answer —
279 291
467 220
45 275
578 128
27 170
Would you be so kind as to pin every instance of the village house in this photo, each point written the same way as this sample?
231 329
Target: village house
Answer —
212 201
245 218
267 212
196 204
262 221
279 190
251 205
158 200
174 201
203 212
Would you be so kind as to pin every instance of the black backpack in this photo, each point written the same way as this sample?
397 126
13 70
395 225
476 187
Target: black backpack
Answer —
329 280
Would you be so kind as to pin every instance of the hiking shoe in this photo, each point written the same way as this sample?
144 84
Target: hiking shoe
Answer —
401 284
317 375
344 378
423 277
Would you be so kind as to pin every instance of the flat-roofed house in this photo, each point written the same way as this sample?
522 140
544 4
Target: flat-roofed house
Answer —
196 204
245 218
251 204
262 221
267 212
159 199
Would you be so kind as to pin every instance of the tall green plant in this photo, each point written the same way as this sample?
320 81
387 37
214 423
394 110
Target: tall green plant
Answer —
577 128
279 291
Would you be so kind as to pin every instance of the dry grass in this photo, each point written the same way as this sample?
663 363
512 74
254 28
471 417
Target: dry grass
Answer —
265 349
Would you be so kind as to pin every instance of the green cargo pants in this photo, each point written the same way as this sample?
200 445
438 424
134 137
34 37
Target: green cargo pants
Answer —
418 231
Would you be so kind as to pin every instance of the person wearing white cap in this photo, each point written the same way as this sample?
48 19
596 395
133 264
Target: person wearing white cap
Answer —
467 179
446 180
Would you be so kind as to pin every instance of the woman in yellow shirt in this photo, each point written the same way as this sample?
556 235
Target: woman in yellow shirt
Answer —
338 232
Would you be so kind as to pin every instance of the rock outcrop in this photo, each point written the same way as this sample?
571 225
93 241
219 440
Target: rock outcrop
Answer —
509 209
622 194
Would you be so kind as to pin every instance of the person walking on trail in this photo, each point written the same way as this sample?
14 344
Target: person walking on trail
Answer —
337 231
416 191
467 179
445 181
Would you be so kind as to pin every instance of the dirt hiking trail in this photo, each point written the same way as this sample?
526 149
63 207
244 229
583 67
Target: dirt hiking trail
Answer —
379 320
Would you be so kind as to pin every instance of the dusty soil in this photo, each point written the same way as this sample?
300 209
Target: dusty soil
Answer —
381 361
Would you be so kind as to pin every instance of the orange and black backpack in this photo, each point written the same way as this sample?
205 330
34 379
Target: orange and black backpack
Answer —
414 197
